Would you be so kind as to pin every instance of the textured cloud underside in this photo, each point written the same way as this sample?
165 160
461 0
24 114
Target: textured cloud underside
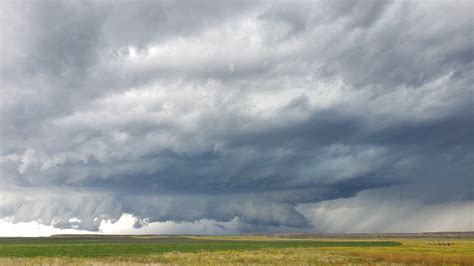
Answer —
236 113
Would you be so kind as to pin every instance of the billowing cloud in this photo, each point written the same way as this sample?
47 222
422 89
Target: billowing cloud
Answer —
232 117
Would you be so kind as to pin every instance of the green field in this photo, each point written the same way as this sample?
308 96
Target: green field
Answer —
112 250
127 246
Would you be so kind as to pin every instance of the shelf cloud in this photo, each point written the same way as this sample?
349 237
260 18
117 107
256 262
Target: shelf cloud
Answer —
237 117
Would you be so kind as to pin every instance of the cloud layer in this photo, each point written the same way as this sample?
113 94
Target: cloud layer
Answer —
251 114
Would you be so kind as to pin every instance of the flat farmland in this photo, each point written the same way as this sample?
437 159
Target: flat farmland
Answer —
208 250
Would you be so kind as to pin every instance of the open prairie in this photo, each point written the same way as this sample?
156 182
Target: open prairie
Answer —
205 250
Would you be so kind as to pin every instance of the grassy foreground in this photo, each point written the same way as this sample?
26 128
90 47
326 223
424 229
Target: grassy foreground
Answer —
126 250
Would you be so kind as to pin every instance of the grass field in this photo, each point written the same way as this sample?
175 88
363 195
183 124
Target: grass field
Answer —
113 250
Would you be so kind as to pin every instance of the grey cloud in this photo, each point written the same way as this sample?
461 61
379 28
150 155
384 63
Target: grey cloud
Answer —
386 211
229 112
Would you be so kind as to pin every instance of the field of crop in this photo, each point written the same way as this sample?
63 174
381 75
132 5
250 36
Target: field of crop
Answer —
125 250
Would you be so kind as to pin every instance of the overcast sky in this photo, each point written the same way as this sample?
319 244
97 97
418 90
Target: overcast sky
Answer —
222 117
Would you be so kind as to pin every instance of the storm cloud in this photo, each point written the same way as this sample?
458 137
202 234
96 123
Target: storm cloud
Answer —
244 116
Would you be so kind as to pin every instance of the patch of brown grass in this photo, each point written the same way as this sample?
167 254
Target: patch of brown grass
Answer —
425 259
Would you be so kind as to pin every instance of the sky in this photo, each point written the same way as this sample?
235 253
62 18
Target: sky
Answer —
226 117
